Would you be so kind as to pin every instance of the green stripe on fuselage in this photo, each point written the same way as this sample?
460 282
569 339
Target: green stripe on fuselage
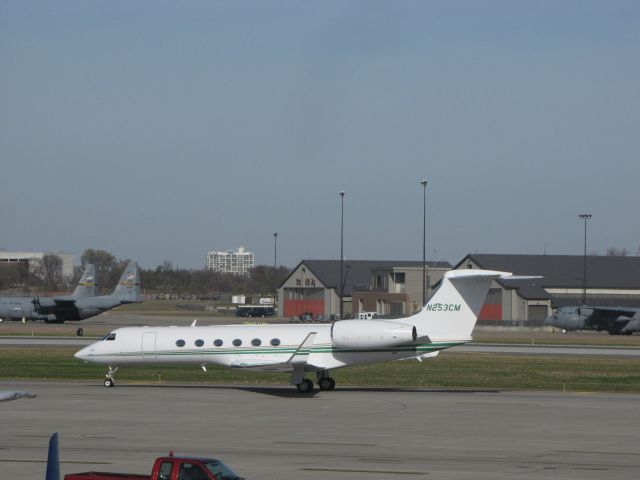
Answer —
421 348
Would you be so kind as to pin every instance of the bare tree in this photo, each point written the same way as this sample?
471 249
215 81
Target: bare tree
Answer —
616 252
14 274
49 269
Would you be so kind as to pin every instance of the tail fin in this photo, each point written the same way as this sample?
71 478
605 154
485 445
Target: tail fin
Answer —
128 288
453 310
87 285
53 459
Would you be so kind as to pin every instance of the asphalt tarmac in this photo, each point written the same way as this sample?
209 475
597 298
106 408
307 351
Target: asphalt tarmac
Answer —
350 433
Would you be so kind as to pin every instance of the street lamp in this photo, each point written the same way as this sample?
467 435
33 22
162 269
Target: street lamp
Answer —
424 240
341 251
275 269
275 250
585 217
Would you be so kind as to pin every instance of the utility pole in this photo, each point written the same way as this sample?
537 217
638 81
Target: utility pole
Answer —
424 240
341 252
585 217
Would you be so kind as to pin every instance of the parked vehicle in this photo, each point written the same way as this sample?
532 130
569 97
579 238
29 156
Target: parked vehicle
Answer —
169 468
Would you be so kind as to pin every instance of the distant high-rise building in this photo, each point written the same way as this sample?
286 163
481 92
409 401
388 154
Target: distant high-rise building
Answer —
236 262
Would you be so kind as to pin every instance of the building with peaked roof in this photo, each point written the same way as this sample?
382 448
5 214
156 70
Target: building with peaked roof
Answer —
384 286
610 281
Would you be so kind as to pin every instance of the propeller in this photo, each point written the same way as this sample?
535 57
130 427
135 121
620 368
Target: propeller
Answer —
36 303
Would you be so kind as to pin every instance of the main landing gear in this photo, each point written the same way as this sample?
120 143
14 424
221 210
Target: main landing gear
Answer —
109 380
325 382
305 386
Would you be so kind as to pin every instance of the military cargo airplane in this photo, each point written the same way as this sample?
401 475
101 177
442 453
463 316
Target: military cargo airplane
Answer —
82 304
17 308
615 320
446 320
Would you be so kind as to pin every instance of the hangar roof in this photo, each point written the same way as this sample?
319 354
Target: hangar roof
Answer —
566 270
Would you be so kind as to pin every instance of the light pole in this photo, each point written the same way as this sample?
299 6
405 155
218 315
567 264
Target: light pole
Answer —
424 240
341 251
275 250
275 269
585 217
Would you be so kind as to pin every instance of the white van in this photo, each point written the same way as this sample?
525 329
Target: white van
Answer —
367 315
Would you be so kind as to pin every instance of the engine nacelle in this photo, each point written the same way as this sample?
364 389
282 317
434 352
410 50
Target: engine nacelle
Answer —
371 334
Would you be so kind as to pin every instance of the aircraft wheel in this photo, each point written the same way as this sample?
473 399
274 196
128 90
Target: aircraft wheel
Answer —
327 383
109 382
306 386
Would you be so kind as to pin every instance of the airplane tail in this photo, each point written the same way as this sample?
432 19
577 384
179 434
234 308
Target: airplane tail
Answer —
128 289
87 285
53 459
452 311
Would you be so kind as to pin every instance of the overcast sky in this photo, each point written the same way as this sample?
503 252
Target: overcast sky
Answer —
160 130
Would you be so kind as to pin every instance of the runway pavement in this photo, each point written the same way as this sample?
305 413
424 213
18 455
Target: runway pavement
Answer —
350 433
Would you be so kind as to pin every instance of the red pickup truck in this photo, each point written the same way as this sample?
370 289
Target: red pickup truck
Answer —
169 468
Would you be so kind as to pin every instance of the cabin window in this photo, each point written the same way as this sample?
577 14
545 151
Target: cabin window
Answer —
275 342
256 342
218 342
180 343
199 342
237 342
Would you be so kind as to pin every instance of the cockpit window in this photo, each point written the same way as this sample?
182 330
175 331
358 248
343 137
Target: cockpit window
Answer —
109 336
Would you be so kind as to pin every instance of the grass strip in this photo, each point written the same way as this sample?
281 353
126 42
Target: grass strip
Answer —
449 370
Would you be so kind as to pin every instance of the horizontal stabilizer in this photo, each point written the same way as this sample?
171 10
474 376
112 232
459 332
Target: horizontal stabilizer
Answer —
521 277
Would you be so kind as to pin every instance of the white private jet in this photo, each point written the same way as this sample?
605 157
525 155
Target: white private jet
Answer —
446 321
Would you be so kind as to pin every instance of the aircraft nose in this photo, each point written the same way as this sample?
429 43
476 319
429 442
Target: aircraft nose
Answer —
82 354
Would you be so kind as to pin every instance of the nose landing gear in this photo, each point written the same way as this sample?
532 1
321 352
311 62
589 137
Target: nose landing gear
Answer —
109 380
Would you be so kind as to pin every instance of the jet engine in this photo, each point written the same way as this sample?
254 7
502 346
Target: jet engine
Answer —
371 334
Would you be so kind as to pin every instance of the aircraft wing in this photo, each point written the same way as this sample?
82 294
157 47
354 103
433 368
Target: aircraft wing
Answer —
622 310
261 365
53 305
299 358
64 302
605 316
